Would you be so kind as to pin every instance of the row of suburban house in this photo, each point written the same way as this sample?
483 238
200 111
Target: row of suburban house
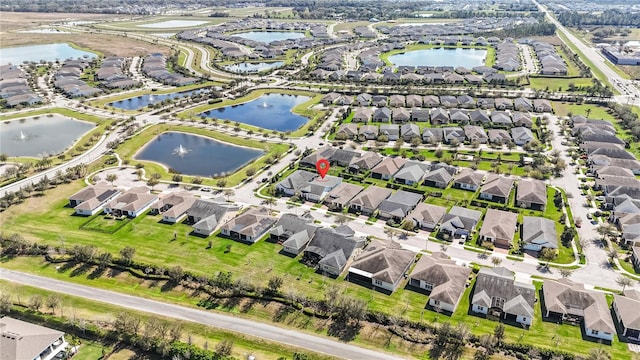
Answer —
455 31
14 87
430 135
614 170
67 79
203 215
551 63
112 73
521 104
155 66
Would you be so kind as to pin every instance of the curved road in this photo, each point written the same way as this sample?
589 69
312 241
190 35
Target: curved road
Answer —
227 322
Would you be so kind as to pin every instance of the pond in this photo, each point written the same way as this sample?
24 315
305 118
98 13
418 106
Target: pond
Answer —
455 57
196 155
139 102
269 36
50 52
40 136
169 24
253 67
269 111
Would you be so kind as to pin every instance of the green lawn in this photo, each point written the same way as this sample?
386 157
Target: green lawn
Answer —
556 84
89 351
593 111
130 147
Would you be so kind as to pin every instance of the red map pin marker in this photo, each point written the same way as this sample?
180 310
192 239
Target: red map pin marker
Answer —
323 167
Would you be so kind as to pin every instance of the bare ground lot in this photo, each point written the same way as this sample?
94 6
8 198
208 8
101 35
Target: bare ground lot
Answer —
103 43
10 21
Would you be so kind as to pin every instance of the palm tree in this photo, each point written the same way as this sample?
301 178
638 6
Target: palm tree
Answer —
565 273
229 193
270 201
496 261
624 281
598 354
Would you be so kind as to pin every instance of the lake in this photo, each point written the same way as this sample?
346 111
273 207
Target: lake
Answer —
455 57
253 67
43 136
50 52
269 36
269 111
196 155
142 101
169 24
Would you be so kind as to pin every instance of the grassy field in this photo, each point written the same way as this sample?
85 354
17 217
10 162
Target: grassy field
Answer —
556 84
12 21
304 109
99 312
136 25
349 26
594 111
131 146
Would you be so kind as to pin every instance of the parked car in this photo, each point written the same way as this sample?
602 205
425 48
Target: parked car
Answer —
206 189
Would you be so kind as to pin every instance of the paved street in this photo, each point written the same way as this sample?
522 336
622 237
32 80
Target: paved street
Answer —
243 326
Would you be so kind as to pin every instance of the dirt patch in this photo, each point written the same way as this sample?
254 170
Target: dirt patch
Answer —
106 44
10 21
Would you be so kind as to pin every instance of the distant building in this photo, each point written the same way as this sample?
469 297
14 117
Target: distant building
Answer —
20 340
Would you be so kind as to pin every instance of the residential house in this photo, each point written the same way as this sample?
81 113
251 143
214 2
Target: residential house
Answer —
369 132
499 136
249 226
542 106
310 161
340 196
413 101
475 133
626 311
531 194
396 101
440 177
293 232
501 119
460 221
206 215
387 168
499 227
449 101
368 200
401 115
635 257
570 301
467 179
90 200
452 135
379 101
521 135
459 116
466 101
382 114
342 157
412 172
409 131
419 115
173 206
496 292
331 249
363 99
426 216
522 119
347 131
538 233
362 114
293 183
429 101
391 131
381 264
442 279
21 340
479 117
432 135
439 116
318 188
522 104
496 188
330 98
131 203
365 162
398 205
503 104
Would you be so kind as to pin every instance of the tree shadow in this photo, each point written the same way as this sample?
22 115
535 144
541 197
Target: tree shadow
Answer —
97 273
80 270
344 330
282 313
248 305
168 286
231 303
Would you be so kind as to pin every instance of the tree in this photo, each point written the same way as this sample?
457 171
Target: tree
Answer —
496 261
439 153
606 231
229 193
35 303
565 273
5 303
152 182
175 274
391 232
111 178
176 178
498 332
275 282
104 260
342 219
624 281
224 347
613 254
3 157
53 301
548 254
598 354
127 254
